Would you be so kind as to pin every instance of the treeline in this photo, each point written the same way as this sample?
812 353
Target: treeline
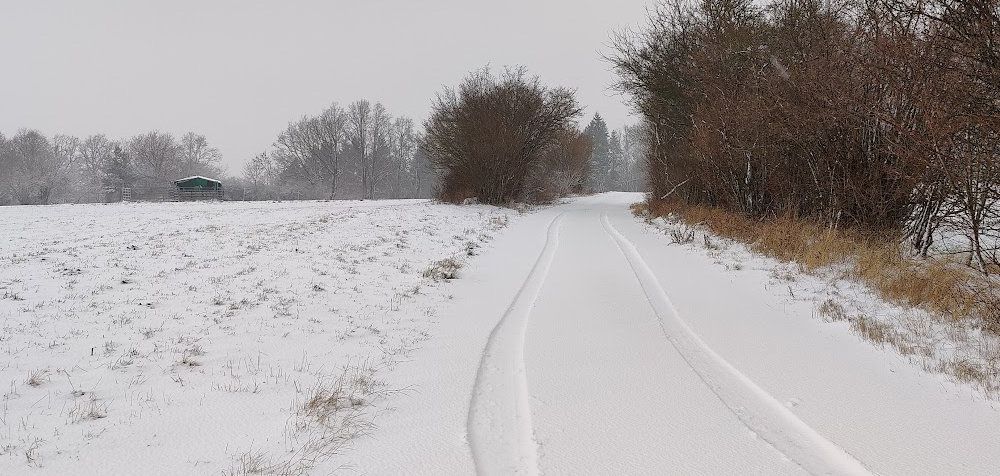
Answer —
507 137
617 158
497 138
881 115
360 152
35 169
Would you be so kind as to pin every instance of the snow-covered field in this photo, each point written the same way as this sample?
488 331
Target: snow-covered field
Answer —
211 338
260 338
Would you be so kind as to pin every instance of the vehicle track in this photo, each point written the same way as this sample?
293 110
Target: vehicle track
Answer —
760 412
500 432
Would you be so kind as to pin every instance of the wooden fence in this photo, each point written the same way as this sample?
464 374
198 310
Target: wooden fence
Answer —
192 194
170 194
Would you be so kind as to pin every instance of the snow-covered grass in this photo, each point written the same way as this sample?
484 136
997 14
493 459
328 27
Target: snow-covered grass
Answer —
214 338
938 337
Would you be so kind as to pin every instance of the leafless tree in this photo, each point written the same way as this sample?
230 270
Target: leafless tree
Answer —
261 175
311 149
488 135
881 115
402 147
6 171
564 168
156 156
633 152
197 157
368 139
39 170
95 153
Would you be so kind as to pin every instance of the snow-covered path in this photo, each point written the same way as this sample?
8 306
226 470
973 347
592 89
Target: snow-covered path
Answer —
584 344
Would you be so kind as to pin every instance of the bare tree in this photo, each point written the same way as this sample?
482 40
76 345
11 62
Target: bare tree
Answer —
95 153
38 170
197 157
310 149
487 136
369 142
156 156
564 168
261 174
6 170
402 147
633 153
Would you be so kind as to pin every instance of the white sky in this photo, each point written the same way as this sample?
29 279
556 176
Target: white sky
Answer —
239 71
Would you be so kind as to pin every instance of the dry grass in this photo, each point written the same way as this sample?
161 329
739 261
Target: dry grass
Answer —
945 288
331 413
443 269
959 299
90 409
37 377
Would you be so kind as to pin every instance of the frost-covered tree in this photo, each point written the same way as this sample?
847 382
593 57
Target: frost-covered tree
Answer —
38 170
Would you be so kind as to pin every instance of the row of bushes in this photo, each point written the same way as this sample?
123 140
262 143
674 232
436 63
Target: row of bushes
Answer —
882 115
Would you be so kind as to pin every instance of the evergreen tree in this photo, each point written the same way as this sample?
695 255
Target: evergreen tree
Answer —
600 161
119 170
616 159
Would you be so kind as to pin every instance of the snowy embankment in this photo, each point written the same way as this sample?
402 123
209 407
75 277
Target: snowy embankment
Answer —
208 338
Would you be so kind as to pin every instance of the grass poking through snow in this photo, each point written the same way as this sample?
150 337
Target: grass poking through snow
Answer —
949 314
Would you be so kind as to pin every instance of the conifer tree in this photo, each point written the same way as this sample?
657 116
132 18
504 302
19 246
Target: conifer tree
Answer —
600 162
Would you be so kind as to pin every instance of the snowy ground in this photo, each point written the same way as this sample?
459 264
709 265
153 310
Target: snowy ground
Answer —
210 338
603 348
580 341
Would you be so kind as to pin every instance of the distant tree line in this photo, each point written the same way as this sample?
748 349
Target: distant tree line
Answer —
882 115
35 169
506 137
361 152
618 156
498 138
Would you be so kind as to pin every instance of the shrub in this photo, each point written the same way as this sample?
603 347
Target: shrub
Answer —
488 137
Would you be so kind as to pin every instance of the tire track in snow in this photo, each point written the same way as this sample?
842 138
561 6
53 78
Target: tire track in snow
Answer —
501 436
753 406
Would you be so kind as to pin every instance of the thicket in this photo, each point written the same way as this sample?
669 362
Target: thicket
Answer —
502 138
875 115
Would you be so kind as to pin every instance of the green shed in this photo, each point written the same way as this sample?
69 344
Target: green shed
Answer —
198 188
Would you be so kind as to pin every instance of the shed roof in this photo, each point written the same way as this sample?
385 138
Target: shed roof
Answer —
196 177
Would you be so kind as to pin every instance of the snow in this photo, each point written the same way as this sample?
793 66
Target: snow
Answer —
720 372
185 179
178 338
577 340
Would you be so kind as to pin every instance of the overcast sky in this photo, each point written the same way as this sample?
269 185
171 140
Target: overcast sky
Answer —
239 71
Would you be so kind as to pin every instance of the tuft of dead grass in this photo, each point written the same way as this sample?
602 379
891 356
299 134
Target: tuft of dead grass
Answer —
37 377
90 409
330 414
444 269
